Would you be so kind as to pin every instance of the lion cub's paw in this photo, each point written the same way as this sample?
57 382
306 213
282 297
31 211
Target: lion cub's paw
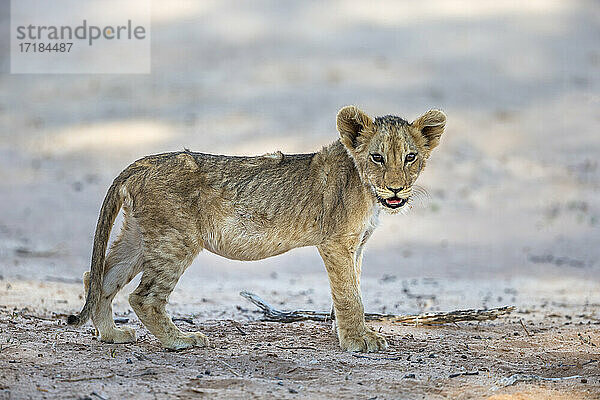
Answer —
367 342
119 335
187 340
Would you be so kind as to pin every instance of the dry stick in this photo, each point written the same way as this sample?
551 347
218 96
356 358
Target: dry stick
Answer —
203 390
7 347
30 316
183 319
525 329
511 380
467 373
239 328
97 395
296 347
87 378
275 315
376 358
229 367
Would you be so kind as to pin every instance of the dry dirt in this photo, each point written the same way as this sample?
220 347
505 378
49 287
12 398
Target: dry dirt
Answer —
41 357
513 218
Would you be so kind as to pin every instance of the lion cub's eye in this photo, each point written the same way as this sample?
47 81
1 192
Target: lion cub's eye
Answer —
377 158
410 157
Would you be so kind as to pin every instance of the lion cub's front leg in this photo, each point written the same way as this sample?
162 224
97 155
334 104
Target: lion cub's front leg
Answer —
353 334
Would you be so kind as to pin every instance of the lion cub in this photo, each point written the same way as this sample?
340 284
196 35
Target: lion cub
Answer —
249 208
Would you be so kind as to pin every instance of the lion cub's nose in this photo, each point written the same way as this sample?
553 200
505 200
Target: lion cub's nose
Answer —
395 190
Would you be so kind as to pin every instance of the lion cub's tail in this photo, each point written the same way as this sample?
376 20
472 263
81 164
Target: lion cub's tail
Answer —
108 213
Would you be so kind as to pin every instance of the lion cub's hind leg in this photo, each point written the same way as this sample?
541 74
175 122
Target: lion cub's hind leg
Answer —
161 274
123 263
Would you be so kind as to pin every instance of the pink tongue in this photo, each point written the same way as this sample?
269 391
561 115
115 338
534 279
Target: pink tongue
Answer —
394 202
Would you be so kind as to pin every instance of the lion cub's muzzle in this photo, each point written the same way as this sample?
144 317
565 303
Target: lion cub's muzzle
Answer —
393 199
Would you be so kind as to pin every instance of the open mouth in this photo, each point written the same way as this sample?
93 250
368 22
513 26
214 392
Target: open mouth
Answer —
393 202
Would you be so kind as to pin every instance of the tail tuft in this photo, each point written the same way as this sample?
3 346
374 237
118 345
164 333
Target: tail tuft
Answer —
73 320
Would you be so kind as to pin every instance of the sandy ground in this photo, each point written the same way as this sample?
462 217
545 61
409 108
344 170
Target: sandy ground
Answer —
513 218
41 357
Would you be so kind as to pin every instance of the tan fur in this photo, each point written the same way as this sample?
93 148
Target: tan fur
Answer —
249 208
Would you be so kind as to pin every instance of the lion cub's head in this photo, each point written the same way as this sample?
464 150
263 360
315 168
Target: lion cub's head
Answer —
390 152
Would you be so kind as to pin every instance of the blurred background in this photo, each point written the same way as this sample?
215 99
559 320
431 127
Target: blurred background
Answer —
514 213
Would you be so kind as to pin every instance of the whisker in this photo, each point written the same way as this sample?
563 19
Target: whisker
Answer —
422 191
420 198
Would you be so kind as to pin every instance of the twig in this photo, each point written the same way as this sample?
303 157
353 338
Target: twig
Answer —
97 395
203 390
376 358
30 316
511 380
183 319
87 378
296 347
467 373
10 346
239 328
272 314
525 329
561 365
229 367
145 373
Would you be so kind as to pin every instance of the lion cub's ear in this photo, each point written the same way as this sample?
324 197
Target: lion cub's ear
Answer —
431 125
355 127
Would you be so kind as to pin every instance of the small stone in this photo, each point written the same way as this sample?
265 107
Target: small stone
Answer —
410 376
293 391
583 380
